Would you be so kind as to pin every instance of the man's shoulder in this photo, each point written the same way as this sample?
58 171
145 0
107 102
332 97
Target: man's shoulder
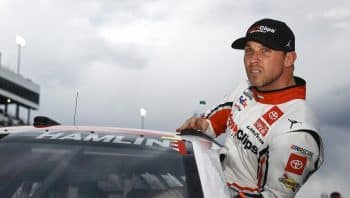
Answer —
297 115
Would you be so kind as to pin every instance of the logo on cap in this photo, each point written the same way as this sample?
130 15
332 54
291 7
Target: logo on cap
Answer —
262 29
269 32
288 45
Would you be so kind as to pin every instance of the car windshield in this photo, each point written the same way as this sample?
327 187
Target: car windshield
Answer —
53 169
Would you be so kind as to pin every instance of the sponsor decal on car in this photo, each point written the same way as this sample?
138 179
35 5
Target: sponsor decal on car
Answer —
296 164
179 146
117 139
289 183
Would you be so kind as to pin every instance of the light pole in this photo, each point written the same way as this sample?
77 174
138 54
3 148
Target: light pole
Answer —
143 114
20 43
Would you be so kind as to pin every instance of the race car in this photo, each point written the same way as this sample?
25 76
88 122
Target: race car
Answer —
54 161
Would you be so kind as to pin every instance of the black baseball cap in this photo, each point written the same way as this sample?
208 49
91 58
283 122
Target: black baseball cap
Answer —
269 32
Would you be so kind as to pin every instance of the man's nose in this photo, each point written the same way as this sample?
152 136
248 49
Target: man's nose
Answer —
255 58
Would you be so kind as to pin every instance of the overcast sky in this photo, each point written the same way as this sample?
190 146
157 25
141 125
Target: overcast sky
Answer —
166 55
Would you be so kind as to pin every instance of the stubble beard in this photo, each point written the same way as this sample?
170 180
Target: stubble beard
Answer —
265 82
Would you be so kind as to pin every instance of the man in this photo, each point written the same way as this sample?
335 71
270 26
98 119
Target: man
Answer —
273 146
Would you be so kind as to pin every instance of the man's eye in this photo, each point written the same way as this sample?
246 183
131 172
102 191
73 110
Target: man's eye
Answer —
247 50
266 50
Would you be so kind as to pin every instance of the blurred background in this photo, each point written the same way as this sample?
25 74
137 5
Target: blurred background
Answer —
149 63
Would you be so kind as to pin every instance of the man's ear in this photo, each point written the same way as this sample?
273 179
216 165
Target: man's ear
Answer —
290 59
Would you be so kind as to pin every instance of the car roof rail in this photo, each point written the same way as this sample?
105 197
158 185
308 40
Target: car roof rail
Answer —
198 133
43 121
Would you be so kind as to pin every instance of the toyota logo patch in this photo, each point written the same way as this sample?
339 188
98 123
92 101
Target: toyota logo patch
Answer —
273 115
296 164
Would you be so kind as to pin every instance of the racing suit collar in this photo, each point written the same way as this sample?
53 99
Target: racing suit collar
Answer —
297 91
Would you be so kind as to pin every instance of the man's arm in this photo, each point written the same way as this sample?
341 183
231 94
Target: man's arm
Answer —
213 123
288 162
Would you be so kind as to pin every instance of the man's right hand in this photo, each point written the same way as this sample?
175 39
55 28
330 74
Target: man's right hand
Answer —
197 123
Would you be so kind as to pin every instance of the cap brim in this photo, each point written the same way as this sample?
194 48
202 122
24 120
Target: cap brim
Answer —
240 43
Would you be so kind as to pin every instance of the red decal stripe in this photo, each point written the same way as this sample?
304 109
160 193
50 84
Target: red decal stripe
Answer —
180 146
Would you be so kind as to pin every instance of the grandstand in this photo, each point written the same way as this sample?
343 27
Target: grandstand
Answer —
16 93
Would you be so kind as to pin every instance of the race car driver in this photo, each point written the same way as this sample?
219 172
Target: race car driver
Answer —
273 144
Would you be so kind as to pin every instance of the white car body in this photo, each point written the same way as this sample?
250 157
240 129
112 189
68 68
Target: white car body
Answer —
205 154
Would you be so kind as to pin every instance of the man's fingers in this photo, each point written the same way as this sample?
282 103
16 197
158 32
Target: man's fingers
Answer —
197 123
193 123
185 125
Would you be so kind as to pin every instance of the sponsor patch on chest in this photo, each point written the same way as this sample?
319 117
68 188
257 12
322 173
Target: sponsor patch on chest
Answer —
272 115
264 123
261 127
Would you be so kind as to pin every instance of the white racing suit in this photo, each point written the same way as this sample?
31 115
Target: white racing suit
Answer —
272 146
